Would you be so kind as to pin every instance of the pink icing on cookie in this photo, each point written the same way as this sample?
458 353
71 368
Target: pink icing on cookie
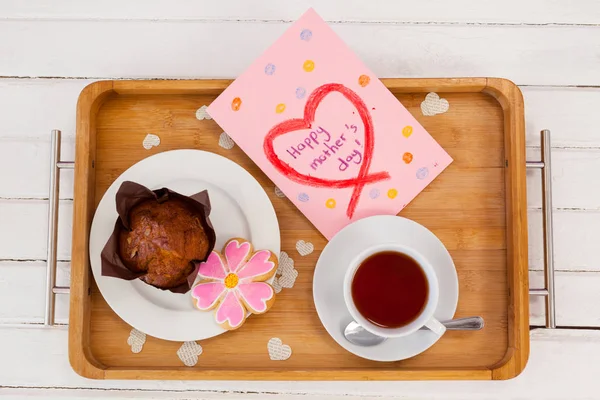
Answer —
256 295
231 310
236 253
213 267
235 283
257 265
208 294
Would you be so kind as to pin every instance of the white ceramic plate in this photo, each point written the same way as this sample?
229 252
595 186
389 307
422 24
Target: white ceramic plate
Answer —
331 268
240 208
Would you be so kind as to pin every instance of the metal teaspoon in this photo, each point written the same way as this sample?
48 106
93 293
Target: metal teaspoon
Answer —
358 335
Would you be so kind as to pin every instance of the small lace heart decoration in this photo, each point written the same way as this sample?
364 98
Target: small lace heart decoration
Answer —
304 248
136 340
201 113
288 279
278 192
150 141
433 105
188 353
277 350
276 285
286 264
286 273
226 142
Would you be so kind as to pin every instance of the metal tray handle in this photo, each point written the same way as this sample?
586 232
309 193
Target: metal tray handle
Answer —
547 227
55 166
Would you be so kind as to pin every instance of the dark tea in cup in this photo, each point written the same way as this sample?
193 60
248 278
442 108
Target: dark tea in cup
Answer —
390 289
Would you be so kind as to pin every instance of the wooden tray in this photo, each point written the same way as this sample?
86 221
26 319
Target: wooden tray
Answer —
477 207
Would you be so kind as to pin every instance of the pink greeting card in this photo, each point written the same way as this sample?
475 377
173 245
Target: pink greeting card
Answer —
326 131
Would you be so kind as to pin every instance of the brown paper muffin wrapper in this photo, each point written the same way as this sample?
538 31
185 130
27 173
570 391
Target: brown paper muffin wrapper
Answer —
128 196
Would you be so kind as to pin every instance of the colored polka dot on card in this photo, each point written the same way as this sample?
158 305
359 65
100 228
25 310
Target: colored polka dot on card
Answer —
280 108
270 69
330 203
407 131
236 104
363 80
374 193
309 65
300 92
407 157
306 35
422 173
303 197
392 193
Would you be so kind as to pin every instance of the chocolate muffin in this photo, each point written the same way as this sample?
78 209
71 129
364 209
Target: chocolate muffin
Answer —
163 240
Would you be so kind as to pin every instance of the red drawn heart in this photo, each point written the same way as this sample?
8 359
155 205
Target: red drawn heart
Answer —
295 124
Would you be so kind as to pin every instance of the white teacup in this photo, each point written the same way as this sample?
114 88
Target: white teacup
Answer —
425 318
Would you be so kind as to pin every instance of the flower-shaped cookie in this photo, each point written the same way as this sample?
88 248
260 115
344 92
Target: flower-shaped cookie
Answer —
234 284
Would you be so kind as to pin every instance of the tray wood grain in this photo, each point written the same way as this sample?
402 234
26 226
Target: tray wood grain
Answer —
477 207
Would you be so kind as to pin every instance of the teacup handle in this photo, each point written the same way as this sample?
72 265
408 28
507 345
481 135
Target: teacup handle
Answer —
436 326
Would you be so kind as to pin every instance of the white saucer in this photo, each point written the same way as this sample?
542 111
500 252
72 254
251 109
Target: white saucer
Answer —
348 243
240 208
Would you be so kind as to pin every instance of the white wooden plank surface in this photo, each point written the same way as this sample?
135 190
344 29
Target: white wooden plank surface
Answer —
24 283
457 11
575 179
25 162
543 45
557 369
23 231
568 112
531 55
46 103
576 236
576 299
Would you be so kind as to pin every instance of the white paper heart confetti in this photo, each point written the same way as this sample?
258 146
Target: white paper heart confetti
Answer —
278 192
276 285
188 353
226 142
286 273
304 248
286 264
150 141
136 340
288 279
433 105
277 350
201 113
